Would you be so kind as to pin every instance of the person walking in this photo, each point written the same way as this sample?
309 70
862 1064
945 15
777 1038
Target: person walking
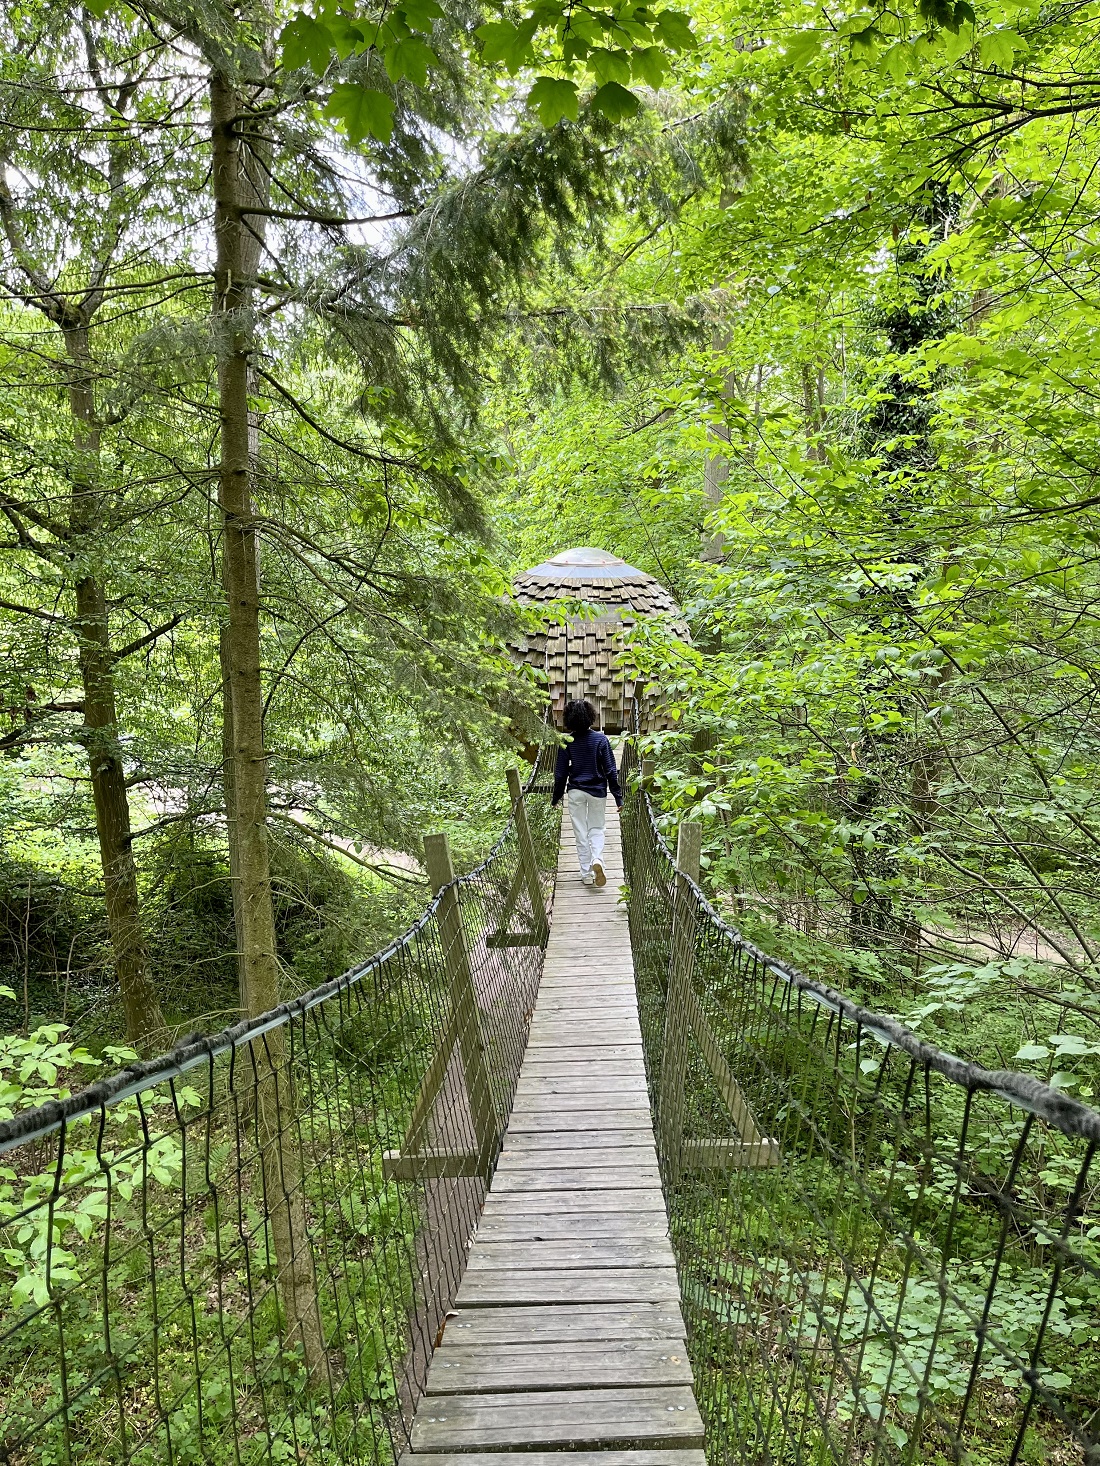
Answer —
584 772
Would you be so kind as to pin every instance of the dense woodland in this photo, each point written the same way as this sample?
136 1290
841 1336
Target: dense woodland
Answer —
318 324
312 336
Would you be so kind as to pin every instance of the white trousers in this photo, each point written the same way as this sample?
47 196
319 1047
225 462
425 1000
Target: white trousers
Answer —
588 812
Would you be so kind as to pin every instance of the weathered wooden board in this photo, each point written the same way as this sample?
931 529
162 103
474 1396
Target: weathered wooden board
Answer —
576 1179
611 1157
564 1323
571 1226
612 1084
595 1139
541 1254
471 1369
510 1286
542 1057
623 1199
547 1111
561 1418
554 1458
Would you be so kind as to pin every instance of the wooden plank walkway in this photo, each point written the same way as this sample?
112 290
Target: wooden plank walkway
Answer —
568 1335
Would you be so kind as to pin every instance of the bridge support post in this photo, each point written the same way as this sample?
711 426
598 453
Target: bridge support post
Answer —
527 859
670 1102
467 1013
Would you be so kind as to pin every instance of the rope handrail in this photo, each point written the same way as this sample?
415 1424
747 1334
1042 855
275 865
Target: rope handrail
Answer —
243 1250
886 1253
42 1120
1058 1108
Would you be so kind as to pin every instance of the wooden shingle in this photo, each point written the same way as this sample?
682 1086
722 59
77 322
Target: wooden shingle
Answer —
582 655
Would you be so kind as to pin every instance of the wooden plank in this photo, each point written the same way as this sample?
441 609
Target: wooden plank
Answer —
650 1457
500 1368
567 1139
623 1199
724 1155
510 1286
542 1055
531 1086
548 1116
588 1054
577 1069
564 1418
552 1178
565 1323
571 1227
609 1157
430 1165
541 1254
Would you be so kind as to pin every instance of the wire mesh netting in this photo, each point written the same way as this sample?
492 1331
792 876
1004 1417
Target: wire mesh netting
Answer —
906 1265
243 1251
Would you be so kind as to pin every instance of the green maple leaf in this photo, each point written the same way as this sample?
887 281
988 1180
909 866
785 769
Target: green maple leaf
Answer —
362 112
615 101
410 57
306 42
674 28
420 13
553 99
503 41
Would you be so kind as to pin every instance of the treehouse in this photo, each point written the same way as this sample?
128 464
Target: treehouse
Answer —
581 653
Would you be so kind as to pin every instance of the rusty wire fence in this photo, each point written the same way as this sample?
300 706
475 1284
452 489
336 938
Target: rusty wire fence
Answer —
242 1251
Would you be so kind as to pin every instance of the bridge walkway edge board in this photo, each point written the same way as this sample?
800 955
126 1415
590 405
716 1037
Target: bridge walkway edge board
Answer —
567 1335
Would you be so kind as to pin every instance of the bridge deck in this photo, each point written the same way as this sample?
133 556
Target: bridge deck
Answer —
568 1334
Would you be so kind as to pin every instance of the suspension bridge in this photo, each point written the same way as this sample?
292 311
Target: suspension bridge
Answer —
560 1172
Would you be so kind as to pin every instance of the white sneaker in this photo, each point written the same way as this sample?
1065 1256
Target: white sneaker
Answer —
598 873
588 880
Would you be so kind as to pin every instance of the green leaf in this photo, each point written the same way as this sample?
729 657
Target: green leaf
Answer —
609 65
411 57
553 99
346 36
420 13
503 41
999 47
898 61
361 112
651 64
306 42
615 101
801 48
674 28
1033 1051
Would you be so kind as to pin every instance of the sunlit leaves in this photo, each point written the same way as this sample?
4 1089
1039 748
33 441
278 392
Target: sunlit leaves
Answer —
306 42
362 112
618 49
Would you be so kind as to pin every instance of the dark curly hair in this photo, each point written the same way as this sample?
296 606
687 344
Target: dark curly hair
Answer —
579 717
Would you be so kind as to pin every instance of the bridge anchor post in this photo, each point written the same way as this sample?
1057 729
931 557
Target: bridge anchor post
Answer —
670 1104
412 1163
684 1019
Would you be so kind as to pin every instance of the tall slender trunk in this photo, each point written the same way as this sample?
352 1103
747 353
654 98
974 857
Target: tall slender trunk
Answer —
237 257
239 175
145 1026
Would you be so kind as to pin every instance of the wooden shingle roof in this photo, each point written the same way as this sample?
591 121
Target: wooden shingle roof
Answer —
582 656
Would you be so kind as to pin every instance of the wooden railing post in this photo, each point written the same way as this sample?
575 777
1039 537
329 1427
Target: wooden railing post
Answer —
670 1106
527 859
648 768
475 1062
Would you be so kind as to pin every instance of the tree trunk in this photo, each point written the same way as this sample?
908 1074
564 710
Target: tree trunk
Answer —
145 1027
238 181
